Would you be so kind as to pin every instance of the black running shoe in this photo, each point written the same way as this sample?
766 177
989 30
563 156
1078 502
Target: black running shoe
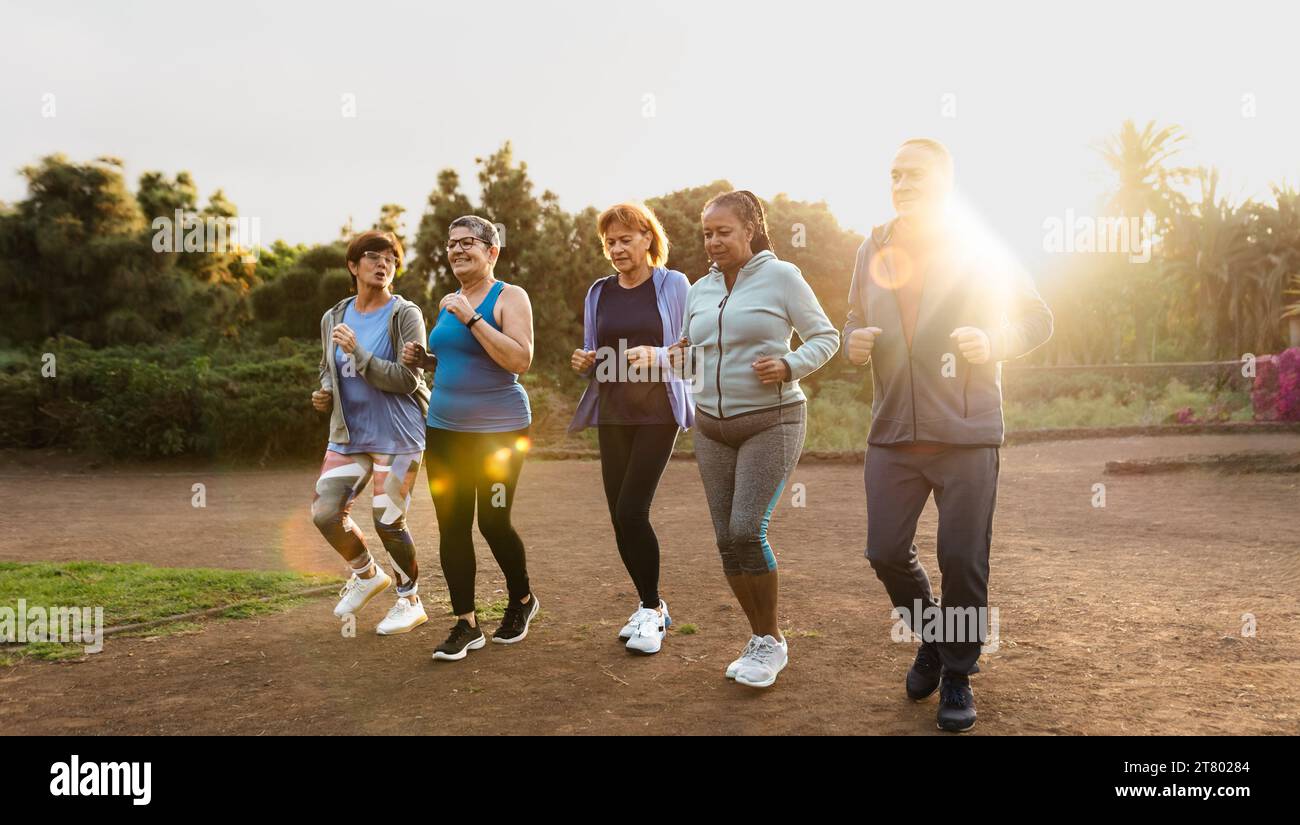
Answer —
956 704
923 675
462 640
514 624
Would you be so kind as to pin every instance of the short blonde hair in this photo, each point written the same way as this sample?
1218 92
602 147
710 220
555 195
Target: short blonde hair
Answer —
636 216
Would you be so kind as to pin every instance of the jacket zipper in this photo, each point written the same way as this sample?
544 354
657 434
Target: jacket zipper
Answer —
911 379
718 378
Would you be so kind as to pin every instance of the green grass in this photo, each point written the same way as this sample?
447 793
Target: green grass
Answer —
687 629
132 593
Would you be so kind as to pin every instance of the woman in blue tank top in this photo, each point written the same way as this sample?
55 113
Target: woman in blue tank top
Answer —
477 432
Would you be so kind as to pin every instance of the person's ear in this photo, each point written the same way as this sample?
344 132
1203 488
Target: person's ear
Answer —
354 268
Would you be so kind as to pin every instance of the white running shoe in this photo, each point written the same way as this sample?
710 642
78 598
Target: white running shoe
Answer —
358 592
767 659
649 634
633 621
406 615
744 654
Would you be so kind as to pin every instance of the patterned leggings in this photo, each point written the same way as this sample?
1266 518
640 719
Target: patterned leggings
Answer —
342 478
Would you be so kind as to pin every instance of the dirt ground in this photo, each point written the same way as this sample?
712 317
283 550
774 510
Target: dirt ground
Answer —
1114 620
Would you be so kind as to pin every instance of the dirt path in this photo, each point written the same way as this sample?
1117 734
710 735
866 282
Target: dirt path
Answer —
1123 619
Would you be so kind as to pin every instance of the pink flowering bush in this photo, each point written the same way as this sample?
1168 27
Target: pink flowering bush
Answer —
1276 393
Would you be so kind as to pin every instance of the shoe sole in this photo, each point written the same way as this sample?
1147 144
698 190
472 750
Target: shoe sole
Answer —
640 652
763 684
477 644
940 726
402 630
528 620
368 600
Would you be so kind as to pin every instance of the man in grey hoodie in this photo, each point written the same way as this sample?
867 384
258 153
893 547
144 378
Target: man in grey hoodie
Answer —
935 315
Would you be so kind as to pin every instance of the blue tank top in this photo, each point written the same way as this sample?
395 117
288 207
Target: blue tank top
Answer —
471 392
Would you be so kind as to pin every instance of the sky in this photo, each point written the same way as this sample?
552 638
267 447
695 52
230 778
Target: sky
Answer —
615 101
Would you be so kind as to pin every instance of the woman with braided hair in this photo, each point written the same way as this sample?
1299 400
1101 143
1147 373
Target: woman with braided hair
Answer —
750 417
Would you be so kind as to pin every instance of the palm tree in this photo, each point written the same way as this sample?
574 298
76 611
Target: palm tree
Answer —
1144 190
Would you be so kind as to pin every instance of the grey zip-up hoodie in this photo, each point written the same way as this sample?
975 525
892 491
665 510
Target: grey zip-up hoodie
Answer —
928 392
729 331
405 324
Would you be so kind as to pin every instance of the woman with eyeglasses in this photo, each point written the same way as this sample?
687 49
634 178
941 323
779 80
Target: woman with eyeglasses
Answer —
477 432
377 406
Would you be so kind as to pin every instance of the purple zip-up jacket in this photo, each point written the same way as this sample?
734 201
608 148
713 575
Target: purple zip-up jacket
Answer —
670 295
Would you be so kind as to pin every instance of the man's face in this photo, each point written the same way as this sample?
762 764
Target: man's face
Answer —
919 181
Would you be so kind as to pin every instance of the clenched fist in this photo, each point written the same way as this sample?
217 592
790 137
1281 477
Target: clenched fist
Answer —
974 344
322 400
583 360
861 342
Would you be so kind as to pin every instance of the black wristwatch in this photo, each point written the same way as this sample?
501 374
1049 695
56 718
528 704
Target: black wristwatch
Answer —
478 316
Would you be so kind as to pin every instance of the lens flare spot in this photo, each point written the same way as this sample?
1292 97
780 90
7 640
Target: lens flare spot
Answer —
522 444
892 268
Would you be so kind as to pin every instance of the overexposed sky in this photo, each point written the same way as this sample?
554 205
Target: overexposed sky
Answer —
807 98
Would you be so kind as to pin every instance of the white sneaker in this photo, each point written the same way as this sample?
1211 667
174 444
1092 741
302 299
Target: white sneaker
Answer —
744 654
406 615
649 634
358 592
629 629
767 659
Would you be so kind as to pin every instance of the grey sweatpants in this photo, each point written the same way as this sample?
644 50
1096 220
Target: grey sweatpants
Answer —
744 462
964 482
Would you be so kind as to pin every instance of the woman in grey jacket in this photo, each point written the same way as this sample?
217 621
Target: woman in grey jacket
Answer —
377 407
750 417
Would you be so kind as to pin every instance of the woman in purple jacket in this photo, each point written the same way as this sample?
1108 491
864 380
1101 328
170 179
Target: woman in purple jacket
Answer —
633 399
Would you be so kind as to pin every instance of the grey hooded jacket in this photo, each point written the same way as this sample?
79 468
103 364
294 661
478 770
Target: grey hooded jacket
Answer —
928 392
405 324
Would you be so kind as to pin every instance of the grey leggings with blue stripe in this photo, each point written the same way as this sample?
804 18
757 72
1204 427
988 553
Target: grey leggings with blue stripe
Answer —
744 462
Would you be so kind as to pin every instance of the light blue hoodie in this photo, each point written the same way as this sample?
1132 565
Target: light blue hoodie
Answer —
729 331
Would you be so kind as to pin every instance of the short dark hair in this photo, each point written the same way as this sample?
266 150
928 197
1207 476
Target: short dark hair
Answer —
480 228
374 240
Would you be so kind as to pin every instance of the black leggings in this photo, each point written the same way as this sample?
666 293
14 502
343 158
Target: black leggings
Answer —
632 460
483 468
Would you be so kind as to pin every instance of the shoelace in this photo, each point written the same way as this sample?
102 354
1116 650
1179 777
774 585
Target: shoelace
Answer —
953 694
649 624
763 651
749 648
352 584
460 631
514 615
402 606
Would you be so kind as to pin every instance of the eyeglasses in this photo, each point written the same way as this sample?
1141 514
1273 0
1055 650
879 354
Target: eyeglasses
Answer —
379 257
466 243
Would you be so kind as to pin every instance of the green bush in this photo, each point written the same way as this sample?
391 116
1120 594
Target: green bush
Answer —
154 402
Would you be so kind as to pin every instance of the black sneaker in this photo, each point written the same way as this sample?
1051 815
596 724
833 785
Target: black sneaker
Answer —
514 624
462 640
923 675
956 704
